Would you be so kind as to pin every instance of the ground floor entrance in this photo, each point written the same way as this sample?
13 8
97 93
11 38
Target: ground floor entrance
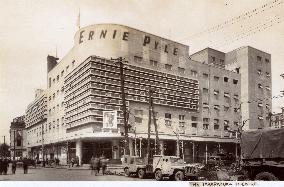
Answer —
113 149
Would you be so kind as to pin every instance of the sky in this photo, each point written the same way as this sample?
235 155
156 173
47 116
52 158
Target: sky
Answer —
32 29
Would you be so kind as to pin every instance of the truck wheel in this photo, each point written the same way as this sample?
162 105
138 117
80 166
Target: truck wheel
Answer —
126 172
158 175
266 176
179 176
141 173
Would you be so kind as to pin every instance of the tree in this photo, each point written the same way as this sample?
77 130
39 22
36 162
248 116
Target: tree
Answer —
4 150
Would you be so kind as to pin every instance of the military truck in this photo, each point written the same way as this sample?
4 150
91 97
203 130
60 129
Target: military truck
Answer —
135 165
161 167
173 167
263 154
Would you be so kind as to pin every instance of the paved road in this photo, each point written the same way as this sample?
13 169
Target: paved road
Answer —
52 174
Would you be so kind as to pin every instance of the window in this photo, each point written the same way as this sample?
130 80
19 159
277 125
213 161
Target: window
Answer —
193 73
226 125
194 118
205 75
260 117
205 126
62 73
216 126
181 120
154 63
213 58
260 86
216 107
226 79
53 81
267 60
205 120
138 119
222 61
216 78
57 78
194 125
181 70
138 112
267 74
238 70
226 94
235 81
67 68
205 90
226 108
168 116
53 95
168 66
73 63
138 116
181 117
259 71
168 121
216 92
258 58
138 59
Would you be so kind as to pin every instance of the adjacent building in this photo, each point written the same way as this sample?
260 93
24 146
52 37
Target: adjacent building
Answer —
18 138
197 98
36 120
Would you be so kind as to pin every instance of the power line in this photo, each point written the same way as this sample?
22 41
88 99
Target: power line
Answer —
237 19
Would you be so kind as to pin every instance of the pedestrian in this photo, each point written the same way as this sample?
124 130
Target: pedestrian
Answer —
72 161
14 166
99 164
1 166
77 161
5 166
25 165
103 162
92 165
95 165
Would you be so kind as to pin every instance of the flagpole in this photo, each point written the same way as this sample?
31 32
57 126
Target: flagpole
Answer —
79 19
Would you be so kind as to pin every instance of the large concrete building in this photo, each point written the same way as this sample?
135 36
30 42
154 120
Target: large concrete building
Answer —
255 69
195 97
36 117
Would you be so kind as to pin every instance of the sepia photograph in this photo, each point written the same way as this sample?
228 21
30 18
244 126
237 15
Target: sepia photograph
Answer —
142 91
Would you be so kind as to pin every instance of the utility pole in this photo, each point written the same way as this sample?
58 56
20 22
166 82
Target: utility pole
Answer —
157 148
149 130
14 144
120 62
4 149
42 144
152 114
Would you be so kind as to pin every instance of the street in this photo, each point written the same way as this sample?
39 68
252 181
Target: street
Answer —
53 174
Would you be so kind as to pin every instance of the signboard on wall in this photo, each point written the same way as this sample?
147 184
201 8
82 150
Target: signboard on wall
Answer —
110 119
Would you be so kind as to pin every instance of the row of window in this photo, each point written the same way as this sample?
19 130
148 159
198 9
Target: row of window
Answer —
54 80
259 59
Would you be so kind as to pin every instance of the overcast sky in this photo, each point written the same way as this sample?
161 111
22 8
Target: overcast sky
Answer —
31 29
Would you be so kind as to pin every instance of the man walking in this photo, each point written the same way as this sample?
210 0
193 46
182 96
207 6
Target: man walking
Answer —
103 162
14 166
25 165
1 166
5 166
95 165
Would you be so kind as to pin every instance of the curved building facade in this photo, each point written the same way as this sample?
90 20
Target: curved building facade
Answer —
193 99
